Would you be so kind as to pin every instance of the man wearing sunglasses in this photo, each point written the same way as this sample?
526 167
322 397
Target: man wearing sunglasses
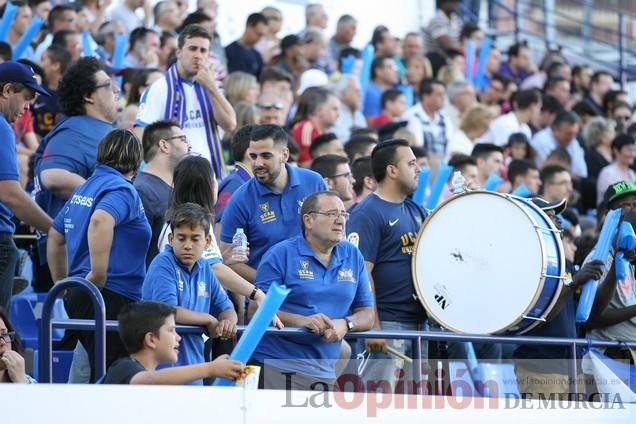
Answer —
67 155
330 296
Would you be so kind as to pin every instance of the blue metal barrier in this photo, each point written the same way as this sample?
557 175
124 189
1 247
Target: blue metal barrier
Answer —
46 326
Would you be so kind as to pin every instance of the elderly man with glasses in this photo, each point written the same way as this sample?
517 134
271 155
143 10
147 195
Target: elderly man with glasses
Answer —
330 296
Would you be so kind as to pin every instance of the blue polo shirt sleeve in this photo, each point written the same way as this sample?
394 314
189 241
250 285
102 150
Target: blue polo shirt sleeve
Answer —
160 282
270 269
117 203
368 234
8 161
58 222
233 218
219 301
364 296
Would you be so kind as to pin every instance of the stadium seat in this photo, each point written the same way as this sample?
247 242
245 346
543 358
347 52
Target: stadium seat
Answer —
61 363
22 316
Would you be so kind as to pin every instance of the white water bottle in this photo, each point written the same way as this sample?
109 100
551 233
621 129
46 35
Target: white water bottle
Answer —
457 183
239 241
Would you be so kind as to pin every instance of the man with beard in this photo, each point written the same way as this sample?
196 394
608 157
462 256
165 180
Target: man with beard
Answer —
384 226
267 207
164 146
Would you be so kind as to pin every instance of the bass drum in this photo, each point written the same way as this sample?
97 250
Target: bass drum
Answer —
488 263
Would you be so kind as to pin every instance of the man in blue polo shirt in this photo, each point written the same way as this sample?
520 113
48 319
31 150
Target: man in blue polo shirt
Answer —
18 89
67 155
330 295
182 278
384 226
268 206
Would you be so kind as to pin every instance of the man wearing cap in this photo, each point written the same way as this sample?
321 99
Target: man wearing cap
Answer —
67 155
543 370
613 316
18 89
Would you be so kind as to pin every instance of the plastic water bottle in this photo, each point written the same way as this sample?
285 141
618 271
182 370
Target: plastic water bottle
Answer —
239 241
457 183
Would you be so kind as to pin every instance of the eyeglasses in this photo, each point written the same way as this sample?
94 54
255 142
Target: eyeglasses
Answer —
333 214
108 84
8 337
277 106
182 138
623 118
344 174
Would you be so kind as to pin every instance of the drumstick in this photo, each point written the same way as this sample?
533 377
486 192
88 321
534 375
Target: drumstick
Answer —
400 355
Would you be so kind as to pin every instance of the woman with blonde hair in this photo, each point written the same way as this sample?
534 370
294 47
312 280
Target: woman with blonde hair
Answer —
241 87
418 68
473 125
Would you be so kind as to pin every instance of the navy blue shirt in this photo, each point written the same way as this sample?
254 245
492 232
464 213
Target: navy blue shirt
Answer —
246 59
170 282
155 195
107 190
268 217
8 170
386 232
553 359
46 113
228 186
333 291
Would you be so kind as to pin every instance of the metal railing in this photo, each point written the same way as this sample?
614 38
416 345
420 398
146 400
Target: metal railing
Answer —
615 40
415 337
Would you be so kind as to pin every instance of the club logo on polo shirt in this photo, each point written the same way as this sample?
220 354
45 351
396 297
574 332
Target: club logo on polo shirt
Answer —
345 275
304 272
202 290
408 241
267 215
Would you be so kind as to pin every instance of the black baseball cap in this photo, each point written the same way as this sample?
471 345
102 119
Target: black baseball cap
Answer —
17 72
618 190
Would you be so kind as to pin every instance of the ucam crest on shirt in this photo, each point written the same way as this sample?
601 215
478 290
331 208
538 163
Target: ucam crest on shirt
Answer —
267 215
304 271
346 275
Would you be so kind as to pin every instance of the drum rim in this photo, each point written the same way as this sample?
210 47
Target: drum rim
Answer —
544 265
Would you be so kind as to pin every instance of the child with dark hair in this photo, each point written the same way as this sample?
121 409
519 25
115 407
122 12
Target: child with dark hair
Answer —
148 331
182 278
393 107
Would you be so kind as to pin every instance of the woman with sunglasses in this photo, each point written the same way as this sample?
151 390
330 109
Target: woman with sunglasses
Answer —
11 354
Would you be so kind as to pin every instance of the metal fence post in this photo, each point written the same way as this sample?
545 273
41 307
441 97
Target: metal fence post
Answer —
517 17
621 49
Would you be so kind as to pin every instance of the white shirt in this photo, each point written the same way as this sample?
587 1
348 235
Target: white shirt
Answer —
152 108
420 123
460 143
502 127
127 17
544 143
346 121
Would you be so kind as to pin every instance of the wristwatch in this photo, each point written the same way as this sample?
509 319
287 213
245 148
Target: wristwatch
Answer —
349 324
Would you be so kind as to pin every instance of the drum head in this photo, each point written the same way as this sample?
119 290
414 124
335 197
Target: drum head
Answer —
478 263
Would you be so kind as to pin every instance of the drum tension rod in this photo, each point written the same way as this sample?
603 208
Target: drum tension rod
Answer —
553 276
533 318
551 230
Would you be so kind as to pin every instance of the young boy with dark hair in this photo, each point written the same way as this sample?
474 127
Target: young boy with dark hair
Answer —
148 331
181 278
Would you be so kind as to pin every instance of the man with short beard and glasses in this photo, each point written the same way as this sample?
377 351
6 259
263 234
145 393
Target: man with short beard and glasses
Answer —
67 155
267 207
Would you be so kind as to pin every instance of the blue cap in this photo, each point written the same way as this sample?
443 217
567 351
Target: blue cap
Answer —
18 72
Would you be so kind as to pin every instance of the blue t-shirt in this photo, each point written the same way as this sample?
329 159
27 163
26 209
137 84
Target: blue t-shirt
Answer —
71 146
372 105
108 190
387 233
244 59
8 170
228 186
268 217
170 282
155 196
332 291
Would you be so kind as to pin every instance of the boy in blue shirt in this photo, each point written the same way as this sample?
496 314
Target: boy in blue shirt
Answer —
148 331
182 278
